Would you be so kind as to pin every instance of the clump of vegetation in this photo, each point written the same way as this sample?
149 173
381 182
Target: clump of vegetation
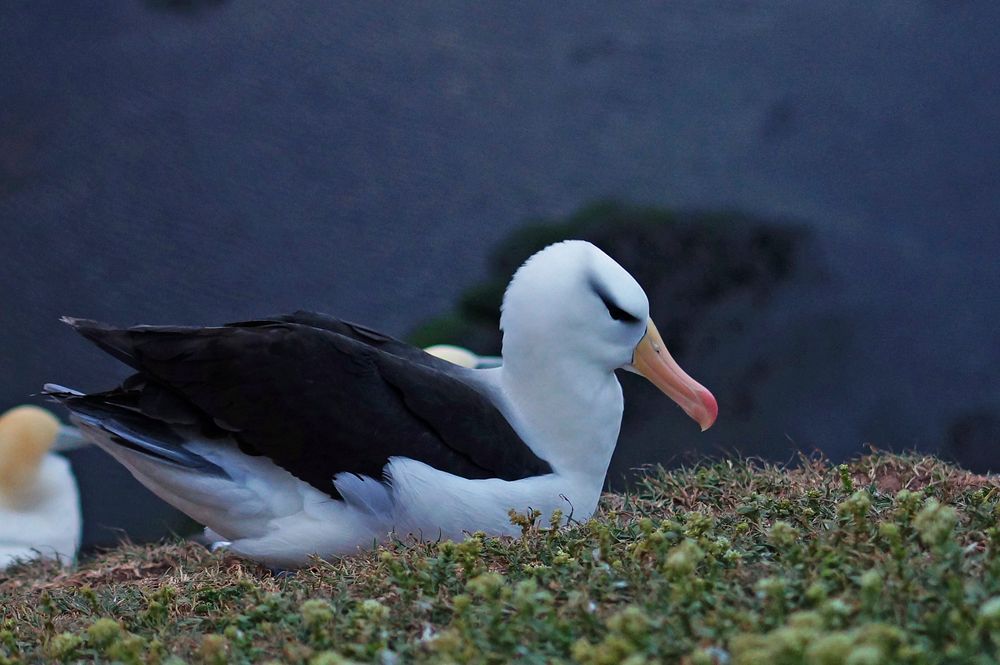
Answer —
889 559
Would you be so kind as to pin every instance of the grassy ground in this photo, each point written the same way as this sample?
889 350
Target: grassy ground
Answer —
887 560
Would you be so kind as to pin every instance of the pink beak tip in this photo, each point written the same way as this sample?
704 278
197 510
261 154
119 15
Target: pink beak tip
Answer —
711 409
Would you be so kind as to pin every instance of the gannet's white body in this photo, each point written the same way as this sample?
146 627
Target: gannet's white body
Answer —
571 317
39 500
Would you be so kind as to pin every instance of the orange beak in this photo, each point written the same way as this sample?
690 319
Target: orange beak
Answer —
652 360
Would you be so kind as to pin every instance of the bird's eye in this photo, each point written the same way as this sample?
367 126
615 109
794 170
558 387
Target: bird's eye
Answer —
616 312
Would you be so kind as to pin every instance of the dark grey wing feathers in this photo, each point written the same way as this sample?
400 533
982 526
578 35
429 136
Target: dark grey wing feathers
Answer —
360 333
318 396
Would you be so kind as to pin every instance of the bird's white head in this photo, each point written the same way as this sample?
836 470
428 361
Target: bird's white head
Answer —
574 301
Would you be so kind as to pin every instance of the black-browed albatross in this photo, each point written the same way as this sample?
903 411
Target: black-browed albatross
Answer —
303 434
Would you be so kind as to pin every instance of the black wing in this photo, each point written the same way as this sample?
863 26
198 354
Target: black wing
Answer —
357 332
320 399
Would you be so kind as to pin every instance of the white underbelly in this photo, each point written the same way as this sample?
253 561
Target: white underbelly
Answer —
432 504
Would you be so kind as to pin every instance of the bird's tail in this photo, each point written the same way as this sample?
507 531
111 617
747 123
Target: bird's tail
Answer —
111 419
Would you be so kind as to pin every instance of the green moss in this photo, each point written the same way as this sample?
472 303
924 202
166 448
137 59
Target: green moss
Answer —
129 649
935 522
212 650
103 632
316 614
64 646
764 565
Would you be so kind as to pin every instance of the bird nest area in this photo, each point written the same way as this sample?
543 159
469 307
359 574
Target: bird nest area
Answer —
888 559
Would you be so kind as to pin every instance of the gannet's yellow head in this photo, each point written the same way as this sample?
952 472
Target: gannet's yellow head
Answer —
454 354
26 436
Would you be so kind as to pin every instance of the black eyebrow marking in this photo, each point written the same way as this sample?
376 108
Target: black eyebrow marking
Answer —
616 312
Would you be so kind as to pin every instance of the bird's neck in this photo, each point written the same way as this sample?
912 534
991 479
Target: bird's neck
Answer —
17 491
568 414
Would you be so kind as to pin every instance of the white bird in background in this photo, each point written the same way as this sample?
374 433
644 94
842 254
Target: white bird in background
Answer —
39 501
303 434
463 357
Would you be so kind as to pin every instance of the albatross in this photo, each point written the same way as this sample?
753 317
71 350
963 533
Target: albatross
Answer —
302 434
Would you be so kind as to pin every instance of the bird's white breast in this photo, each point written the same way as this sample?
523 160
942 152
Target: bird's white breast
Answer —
45 523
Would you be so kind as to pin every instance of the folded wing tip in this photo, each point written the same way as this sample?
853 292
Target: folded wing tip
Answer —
81 324
55 390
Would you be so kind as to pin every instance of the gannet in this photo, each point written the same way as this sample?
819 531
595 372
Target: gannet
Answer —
39 500
461 356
